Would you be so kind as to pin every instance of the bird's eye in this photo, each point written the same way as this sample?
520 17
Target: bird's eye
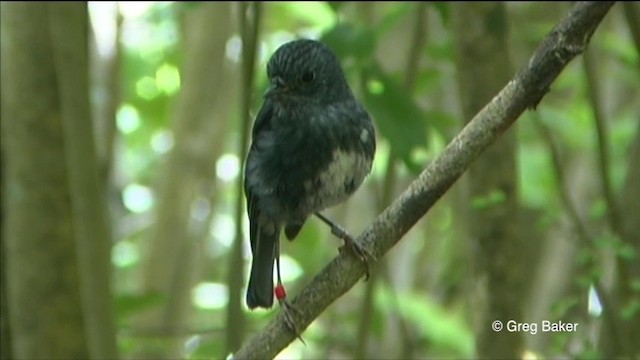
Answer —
308 77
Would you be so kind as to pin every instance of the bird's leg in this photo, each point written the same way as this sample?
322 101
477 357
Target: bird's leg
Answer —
287 308
365 256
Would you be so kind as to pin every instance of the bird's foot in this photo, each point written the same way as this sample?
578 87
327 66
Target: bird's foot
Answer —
288 311
362 253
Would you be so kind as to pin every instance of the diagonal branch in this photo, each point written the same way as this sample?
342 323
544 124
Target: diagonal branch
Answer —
567 40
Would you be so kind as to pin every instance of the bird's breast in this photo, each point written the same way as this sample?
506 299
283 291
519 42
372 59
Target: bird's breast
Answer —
338 179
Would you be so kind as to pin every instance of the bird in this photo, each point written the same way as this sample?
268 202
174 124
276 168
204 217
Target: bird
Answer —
312 145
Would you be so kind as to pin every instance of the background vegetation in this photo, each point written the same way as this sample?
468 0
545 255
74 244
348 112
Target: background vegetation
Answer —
129 237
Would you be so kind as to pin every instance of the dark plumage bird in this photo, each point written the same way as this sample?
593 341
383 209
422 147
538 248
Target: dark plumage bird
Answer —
312 146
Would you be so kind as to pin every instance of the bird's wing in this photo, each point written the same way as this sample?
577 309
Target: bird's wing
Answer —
261 124
263 119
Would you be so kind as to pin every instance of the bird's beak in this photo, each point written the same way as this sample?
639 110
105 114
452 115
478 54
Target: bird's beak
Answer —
277 85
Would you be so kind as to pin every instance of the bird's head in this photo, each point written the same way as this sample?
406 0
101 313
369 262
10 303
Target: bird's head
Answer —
308 69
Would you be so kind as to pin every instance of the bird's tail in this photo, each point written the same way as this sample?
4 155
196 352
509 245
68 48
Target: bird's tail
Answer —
260 288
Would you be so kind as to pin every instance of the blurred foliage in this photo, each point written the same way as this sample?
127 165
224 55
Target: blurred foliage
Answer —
372 43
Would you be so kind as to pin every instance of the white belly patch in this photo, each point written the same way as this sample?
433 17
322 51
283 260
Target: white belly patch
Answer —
341 178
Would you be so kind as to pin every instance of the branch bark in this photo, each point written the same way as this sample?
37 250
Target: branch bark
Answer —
567 40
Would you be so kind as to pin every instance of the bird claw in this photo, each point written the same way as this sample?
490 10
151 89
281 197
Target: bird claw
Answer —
363 254
287 310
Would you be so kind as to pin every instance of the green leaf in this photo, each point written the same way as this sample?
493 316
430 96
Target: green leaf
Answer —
598 209
440 50
443 9
561 307
626 251
310 248
590 354
294 16
396 115
335 5
347 40
129 304
494 197
443 329
631 309
208 349
442 122
393 17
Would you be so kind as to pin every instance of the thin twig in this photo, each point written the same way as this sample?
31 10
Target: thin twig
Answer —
614 215
250 15
585 238
594 92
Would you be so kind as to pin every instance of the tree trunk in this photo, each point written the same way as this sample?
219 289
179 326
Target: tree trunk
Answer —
5 329
69 24
483 68
43 292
